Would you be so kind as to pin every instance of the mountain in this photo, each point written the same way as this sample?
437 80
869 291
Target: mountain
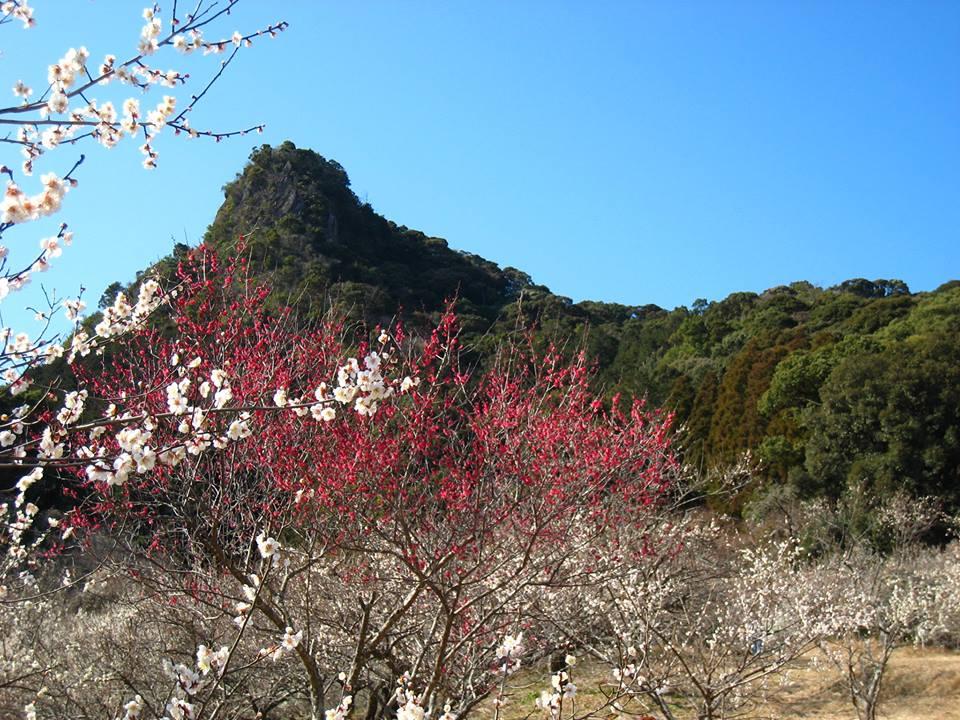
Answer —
309 232
849 389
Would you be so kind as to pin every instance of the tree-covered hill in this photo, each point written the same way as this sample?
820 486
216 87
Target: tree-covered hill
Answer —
311 233
827 388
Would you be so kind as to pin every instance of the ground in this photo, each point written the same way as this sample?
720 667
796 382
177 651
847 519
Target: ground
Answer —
920 685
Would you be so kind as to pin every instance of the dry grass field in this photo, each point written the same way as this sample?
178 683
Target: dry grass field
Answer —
920 685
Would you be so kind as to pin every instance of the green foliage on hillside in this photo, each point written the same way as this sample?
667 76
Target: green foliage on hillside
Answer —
856 385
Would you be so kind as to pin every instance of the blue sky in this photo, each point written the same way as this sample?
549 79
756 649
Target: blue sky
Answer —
626 151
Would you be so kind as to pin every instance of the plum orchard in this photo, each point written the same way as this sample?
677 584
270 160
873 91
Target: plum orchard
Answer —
273 519
371 516
371 509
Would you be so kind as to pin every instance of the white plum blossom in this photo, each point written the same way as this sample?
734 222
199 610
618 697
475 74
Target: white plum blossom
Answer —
180 709
512 645
223 396
240 428
208 659
176 403
24 483
133 708
73 404
411 710
291 639
342 710
344 395
323 413
268 546
49 449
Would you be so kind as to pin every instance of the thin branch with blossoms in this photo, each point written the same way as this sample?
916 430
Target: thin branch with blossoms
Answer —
70 79
31 435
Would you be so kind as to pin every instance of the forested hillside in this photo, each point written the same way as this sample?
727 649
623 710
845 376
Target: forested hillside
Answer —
825 387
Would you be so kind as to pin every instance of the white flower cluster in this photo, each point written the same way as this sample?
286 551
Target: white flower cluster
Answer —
23 515
51 249
288 643
186 44
11 428
26 482
629 671
363 386
178 398
19 348
20 353
320 408
196 400
136 455
61 76
18 207
512 646
189 683
19 10
49 448
341 711
107 126
73 403
409 705
561 687
156 121
243 608
208 659
118 319
180 709
71 78
150 33
122 317
133 708
187 679
268 546
508 653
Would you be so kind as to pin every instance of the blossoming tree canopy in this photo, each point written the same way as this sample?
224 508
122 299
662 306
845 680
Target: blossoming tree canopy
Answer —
524 443
227 439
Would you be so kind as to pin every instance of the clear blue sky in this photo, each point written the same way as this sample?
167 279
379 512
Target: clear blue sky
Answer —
634 151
